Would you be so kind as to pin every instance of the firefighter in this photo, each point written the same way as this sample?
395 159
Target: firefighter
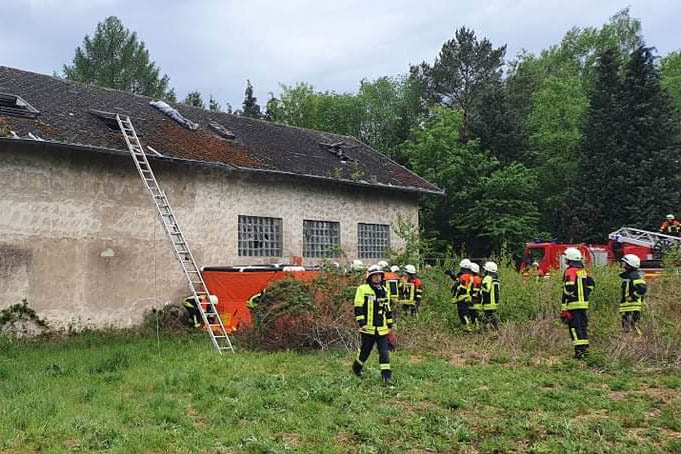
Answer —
375 318
461 292
490 294
393 285
410 290
475 301
671 226
634 287
192 307
577 286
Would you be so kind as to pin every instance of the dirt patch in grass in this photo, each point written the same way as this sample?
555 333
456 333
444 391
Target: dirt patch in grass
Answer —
198 420
617 395
344 439
292 440
663 394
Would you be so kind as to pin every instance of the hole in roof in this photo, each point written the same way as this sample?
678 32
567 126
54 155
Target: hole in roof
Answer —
109 120
221 130
16 106
338 150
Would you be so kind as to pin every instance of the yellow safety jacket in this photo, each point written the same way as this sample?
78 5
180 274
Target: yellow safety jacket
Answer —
577 286
490 293
372 310
633 289
393 286
407 293
461 290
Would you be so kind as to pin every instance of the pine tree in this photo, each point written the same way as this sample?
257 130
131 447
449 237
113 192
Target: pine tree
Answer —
213 105
590 210
251 108
651 143
194 99
114 58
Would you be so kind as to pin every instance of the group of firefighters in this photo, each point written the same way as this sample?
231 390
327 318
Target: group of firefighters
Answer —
671 226
477 297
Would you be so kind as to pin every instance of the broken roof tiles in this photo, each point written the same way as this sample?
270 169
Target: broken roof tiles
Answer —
72 113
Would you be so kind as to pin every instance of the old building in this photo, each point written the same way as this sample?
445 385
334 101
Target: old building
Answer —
79 237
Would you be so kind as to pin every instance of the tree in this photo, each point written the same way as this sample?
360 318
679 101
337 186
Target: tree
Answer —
670 67
115 58
251 108
460 75
485 203
630 150
194 99
213 105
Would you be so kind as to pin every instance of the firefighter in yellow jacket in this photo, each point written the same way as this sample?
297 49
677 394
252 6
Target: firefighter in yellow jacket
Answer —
490 294
577 286
634 287
375 319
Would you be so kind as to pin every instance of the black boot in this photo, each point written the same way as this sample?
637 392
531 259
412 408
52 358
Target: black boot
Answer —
387 379
357 369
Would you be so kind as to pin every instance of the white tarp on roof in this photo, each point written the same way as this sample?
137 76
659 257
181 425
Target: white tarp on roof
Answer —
174 114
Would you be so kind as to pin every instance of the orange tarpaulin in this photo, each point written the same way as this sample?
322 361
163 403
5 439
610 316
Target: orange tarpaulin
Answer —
234 288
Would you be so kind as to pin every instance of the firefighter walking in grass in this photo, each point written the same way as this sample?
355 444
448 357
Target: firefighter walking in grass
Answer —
634 287
475 299
461 293
375 318
577 286
490 294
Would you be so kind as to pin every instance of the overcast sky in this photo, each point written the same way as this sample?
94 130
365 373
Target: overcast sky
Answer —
215 45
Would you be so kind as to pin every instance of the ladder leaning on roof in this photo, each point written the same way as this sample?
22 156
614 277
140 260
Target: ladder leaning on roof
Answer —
172 229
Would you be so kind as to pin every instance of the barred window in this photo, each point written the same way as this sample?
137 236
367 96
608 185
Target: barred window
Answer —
373 240
259 236
321 239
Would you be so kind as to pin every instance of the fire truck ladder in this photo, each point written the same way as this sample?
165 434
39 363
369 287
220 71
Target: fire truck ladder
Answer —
659 243
209 314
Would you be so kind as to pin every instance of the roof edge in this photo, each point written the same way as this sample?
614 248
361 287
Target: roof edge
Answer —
117 152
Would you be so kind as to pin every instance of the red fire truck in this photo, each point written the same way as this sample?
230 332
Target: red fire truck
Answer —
650 247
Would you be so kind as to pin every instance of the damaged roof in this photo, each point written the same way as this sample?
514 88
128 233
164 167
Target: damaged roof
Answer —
69 114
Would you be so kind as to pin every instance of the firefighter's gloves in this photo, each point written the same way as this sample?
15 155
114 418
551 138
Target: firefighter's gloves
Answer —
565 316
392 341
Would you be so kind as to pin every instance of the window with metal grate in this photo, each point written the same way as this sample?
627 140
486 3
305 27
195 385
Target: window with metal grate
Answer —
260 236
373 240
321 239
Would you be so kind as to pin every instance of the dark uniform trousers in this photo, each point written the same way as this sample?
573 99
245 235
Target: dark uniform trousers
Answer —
367 344
578 331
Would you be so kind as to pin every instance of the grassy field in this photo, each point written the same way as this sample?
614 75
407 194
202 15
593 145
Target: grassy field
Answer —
100 393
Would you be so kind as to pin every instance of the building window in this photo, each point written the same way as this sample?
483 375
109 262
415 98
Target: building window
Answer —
260 237
321 239
373 240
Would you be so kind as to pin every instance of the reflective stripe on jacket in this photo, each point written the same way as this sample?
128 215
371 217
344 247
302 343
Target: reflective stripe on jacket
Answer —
476 293
372 310
407 293
461 291
490 293
577 286
633 289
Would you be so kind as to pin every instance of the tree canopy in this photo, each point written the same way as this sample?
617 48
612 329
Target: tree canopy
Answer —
115 58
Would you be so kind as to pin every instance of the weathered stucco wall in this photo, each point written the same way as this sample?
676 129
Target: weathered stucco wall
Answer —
79 238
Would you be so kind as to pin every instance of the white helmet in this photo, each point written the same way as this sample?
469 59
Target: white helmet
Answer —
383 264
475 268
357 265
572 254
465 264
410 269
374 269
490 267
394 269
632 260
670 217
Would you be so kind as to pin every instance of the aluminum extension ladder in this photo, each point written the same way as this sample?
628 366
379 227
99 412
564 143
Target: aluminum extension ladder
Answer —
210 316
659 243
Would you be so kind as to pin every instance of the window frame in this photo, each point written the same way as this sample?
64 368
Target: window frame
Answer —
369 251
262 226
327 249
